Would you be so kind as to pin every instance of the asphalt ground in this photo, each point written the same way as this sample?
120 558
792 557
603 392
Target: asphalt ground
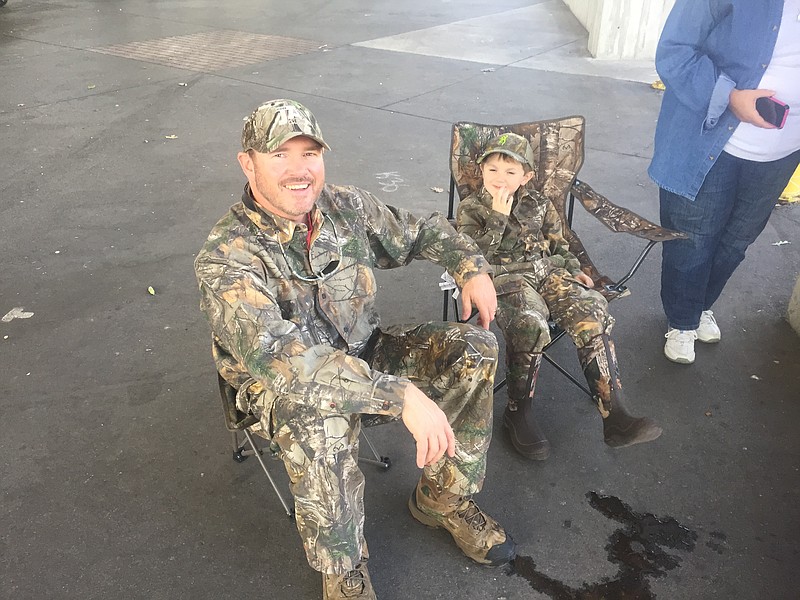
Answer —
120 123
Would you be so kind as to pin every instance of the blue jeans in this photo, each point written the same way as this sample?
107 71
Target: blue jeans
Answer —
730 211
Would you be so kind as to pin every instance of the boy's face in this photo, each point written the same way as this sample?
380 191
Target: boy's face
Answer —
501 171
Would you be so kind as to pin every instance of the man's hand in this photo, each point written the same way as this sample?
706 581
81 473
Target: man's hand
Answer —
502 200
479 291
743 105
583 278
428 424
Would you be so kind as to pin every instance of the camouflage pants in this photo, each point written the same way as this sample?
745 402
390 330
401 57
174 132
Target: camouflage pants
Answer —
454 365
524 305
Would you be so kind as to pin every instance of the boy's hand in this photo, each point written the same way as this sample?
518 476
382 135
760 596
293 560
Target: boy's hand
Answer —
502 200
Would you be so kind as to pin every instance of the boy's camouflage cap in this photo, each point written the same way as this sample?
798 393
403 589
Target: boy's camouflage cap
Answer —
510 144
275 122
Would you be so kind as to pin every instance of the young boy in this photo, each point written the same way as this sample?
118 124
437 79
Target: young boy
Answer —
536 276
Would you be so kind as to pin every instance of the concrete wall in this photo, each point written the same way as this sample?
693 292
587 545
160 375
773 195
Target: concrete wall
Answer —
622 29
583 11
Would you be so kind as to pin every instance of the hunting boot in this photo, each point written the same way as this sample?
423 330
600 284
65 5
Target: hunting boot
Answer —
526 436
478 535
601 370
353 585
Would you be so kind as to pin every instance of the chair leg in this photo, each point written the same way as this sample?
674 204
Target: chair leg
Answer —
241 453
499 385
257 454
379 461
502 383
568 375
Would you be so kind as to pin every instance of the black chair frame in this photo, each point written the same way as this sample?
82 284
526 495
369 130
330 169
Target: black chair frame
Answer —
239 424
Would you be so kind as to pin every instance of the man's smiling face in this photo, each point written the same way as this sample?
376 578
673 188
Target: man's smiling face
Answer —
288 180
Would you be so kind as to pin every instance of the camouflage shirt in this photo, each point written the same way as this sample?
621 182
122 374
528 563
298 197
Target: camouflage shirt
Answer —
530 238
284 336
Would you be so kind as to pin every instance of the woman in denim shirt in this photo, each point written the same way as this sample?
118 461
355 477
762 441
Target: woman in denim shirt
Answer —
719 165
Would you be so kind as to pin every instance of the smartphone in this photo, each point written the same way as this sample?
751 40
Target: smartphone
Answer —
772 111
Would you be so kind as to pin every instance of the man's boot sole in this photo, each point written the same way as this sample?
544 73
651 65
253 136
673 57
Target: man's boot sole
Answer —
648 435
537 453
496 557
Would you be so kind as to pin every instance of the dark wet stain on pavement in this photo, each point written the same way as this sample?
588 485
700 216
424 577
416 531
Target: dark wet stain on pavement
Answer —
641 549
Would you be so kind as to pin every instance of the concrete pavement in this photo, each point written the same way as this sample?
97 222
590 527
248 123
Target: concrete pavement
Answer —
120 122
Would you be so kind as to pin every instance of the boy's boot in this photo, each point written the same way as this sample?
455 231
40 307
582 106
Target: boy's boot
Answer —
478 535
601 370
353 585
526 436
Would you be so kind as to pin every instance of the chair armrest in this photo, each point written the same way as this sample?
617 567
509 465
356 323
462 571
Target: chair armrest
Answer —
235 420
620 219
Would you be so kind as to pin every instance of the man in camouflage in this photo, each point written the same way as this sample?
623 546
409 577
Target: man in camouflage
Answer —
287 284
537 277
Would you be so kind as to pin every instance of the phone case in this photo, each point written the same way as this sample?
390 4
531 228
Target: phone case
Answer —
773 111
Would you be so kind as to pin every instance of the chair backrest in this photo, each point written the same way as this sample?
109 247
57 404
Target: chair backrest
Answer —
557 148
558 151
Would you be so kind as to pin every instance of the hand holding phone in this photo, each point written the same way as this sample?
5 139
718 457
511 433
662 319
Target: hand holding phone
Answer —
772 110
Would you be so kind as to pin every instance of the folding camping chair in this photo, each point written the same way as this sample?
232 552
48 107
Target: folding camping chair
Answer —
558 148
239 423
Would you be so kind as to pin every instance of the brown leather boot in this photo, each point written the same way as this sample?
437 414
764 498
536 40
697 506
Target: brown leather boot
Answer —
526 436
478 535
620 429
353 585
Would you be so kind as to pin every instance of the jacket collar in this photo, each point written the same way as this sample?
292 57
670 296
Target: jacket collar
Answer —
272 225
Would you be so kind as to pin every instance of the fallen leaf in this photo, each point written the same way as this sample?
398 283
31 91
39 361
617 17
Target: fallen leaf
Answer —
438 190
91 86
708 413
658 85
150 290
17 312
171 137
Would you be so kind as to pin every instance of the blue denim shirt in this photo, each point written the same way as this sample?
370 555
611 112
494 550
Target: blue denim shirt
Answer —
707 48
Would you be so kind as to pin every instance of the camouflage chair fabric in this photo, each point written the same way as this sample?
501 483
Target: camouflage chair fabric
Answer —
558 148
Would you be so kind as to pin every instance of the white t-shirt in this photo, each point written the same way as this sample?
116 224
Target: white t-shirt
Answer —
783 76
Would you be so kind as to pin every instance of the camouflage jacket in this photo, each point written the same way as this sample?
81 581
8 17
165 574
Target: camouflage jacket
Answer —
530 238
301 339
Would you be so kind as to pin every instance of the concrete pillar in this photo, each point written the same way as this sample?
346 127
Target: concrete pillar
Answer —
622 29
794 308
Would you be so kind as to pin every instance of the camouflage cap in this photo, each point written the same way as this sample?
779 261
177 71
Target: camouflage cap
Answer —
277 121
510 144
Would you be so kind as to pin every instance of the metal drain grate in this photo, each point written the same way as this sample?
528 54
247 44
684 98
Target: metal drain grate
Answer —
212 50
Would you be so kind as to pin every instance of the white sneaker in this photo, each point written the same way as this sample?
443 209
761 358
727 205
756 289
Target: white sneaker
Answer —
680 345
708 331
